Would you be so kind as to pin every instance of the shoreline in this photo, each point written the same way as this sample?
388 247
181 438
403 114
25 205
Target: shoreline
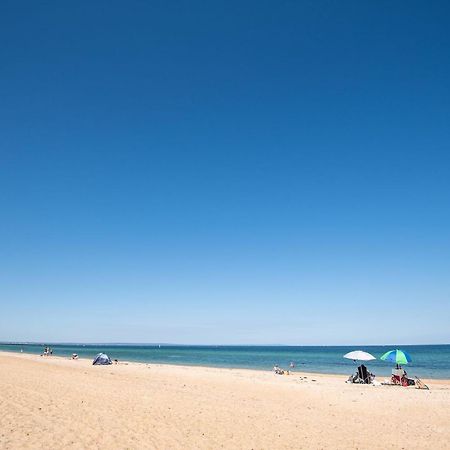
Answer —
296 370
35 357
293 373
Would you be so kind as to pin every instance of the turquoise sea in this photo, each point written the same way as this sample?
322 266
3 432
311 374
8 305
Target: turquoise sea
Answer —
429 361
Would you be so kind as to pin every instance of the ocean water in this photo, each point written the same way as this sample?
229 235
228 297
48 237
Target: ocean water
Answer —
428 361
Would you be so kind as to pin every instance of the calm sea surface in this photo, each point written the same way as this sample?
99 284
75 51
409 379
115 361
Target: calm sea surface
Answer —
429 361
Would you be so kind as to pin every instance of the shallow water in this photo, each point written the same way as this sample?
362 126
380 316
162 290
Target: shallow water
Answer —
429 361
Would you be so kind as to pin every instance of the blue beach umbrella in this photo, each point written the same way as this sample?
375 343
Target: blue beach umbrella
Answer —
396 356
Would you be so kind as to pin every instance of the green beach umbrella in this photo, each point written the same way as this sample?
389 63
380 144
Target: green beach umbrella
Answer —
397 357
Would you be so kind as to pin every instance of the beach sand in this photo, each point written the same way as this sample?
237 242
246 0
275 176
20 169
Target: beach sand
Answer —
56 403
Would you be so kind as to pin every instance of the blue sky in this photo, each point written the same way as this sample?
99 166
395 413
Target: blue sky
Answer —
225 172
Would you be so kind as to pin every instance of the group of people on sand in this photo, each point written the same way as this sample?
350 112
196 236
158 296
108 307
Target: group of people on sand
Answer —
399 377
48 351
362 375
279 371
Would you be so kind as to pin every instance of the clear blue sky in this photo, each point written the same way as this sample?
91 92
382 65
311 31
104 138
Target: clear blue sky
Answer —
225 172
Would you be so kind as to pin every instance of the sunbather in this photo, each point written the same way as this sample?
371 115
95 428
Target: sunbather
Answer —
277 370
362 376
400 377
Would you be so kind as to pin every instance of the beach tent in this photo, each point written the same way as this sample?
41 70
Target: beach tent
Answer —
101 359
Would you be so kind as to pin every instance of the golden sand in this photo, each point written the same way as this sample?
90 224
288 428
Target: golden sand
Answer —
54 403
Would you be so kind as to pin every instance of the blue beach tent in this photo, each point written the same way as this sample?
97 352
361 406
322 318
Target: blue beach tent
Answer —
101 359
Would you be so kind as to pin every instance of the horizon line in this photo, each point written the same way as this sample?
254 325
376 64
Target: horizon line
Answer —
167 344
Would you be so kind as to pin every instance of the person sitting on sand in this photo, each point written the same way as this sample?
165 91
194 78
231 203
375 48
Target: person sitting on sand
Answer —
397 374
277 370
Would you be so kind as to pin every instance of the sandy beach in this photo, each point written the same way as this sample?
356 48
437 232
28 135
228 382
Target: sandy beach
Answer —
59 403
